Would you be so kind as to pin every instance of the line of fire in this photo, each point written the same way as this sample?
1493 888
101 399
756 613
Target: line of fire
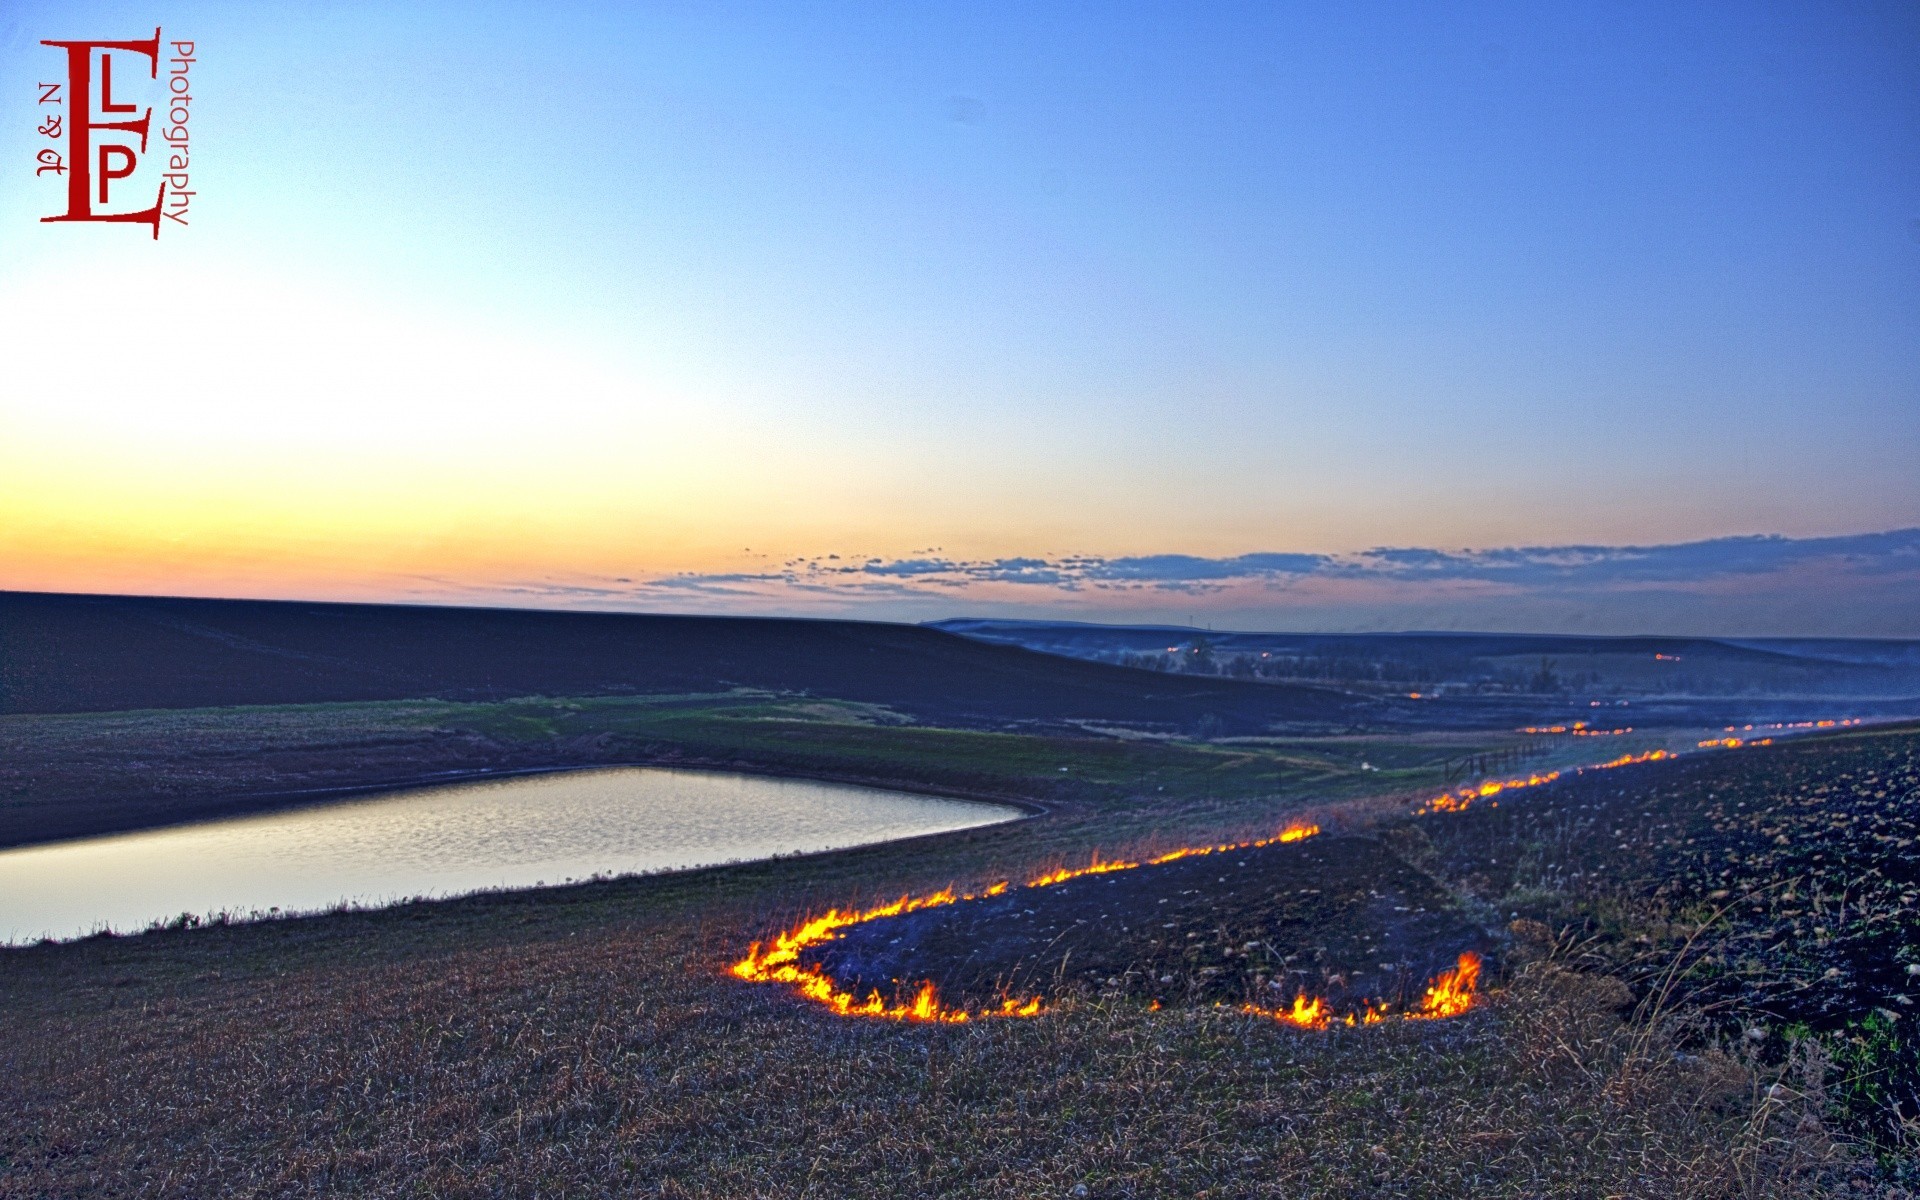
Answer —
1448 994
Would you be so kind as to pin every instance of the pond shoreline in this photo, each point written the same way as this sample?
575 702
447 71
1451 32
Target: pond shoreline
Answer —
447 838
258 803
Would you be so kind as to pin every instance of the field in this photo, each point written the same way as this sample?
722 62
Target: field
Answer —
588 1040
64 775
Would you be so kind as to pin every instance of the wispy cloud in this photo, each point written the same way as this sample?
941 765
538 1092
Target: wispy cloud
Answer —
1855 584
1583 566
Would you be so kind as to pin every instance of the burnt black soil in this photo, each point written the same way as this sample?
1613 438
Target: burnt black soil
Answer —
1333 916
63 653
1774 889
1794 868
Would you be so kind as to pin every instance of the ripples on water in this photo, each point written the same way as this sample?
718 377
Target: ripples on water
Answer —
449 840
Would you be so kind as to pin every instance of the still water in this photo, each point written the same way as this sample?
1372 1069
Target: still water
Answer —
448 840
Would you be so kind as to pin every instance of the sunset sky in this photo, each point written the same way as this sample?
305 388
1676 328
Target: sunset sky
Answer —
1602 318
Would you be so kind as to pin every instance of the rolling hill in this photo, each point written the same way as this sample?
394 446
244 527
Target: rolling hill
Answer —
85 653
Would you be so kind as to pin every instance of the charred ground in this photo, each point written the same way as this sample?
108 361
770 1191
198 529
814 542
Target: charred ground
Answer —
1774 891
1335 917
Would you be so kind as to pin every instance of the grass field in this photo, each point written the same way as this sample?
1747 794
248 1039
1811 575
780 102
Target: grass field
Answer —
587 1041
76 774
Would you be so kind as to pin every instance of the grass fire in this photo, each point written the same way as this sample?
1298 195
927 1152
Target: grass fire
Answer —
802 957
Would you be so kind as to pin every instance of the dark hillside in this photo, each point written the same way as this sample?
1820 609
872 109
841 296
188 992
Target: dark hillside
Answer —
71 653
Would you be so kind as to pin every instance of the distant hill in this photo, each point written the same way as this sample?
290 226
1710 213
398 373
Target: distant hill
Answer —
77 653
1491 663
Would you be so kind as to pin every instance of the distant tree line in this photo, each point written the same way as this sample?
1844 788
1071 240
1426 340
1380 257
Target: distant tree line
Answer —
1201 657
1607 675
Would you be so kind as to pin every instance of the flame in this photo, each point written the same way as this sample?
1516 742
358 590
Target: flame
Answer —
1460 798
780 961
1308 1012
1734 743
1450 994
1096 867
1456 801
1291 833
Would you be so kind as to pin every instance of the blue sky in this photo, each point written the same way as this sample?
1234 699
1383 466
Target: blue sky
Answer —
489 294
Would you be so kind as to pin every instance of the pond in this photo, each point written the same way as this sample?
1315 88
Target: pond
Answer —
518 832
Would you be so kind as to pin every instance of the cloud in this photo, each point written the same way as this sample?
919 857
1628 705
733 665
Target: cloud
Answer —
1586 566
1863 584
1581 566
1186 568
905 566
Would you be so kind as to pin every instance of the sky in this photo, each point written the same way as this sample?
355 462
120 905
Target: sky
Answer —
1596 318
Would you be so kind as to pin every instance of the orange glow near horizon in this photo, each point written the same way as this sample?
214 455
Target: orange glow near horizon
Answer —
312 438
305 436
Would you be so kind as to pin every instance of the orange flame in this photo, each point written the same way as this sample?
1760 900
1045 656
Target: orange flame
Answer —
1308 1012
780 963
1843 723
1456 800
1291 833
1450 994
1460 798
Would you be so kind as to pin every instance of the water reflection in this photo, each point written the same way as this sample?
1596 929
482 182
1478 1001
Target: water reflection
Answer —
444 841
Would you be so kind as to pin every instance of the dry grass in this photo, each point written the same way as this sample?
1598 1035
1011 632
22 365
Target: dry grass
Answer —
614 1059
